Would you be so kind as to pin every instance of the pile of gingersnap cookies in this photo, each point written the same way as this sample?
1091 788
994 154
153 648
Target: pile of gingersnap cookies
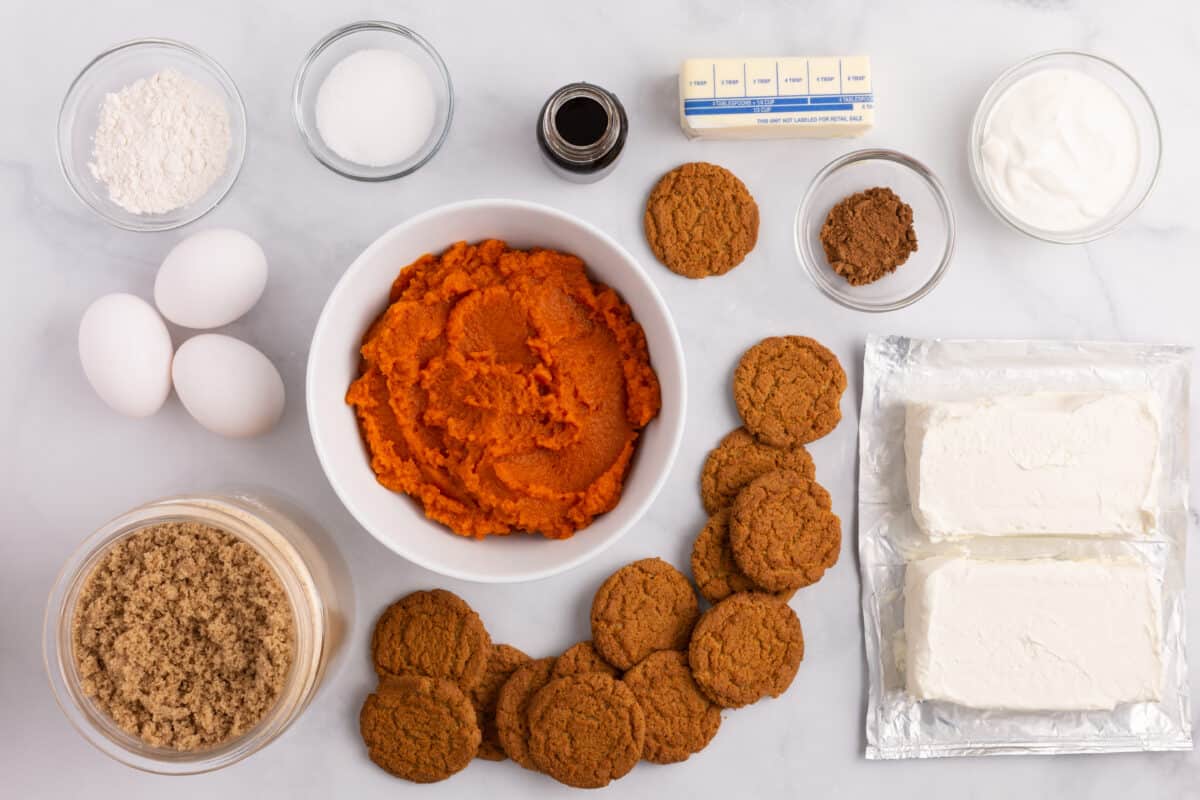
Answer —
653 679
770 526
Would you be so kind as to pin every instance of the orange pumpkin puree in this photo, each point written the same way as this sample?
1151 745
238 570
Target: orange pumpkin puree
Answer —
504 390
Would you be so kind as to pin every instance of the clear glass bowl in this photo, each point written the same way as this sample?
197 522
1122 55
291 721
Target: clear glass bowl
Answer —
307 579
933 221
1145 119
113 70
326 54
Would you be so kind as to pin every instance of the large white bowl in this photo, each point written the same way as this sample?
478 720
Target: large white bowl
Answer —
333 363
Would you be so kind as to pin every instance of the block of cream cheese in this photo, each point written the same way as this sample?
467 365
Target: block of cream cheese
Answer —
1040 464
752 98
1039 635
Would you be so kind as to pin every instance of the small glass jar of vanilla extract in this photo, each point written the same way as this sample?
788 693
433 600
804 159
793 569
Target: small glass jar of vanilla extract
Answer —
581 132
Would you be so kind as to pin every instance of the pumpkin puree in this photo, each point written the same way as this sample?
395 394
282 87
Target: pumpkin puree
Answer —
504 390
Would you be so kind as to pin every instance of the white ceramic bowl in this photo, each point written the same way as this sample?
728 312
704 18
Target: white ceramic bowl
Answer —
333 362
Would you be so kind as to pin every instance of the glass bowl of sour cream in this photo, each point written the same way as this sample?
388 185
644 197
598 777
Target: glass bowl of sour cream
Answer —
1065 146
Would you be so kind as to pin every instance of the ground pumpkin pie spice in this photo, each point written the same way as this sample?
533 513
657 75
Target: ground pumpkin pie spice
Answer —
183 635
868 235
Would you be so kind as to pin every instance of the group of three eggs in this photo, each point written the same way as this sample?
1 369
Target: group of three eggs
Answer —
208 280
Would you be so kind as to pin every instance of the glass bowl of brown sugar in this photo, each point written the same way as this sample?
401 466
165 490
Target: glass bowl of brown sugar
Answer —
190 632
883 286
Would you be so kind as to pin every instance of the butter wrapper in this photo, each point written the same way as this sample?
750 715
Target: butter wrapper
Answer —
776 98
898 370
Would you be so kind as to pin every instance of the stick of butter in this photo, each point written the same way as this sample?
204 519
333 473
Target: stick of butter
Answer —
758 98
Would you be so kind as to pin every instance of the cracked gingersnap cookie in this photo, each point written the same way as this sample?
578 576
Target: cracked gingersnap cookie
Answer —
739 459
680 719
642 607
714 569
788 390
586 730
501 665
582 657
432 633
513 703
745 648
420 729
782 532
701 220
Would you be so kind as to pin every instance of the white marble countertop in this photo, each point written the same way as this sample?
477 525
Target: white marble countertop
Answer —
69 463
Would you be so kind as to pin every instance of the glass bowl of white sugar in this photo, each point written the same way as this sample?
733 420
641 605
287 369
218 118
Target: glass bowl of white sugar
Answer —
152 134
373 101
1065 146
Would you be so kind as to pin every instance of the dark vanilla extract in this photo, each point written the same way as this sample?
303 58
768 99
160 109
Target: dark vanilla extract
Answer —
581 121
582 131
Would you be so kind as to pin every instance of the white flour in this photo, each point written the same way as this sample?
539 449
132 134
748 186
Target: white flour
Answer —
161 143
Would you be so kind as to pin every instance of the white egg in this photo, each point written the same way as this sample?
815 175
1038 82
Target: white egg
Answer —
125 351
210 278
227 385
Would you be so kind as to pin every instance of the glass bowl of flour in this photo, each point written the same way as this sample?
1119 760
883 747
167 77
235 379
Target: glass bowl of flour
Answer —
373 101
152 134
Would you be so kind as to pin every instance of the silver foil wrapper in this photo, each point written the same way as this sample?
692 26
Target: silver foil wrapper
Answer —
898 370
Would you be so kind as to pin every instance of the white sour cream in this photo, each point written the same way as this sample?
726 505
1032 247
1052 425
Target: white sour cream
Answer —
1060 150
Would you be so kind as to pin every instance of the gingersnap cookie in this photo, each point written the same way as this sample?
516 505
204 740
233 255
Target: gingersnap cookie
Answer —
680 719
512 704
433 633
739 459
782 532
420 729
714 569
701 220
788 390
582 657
586 730
642 607
745 648
501 665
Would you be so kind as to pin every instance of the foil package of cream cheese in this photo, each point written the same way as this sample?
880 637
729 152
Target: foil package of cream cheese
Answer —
1033 641
753 98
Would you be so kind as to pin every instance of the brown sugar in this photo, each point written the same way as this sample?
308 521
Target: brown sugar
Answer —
868 235
183 635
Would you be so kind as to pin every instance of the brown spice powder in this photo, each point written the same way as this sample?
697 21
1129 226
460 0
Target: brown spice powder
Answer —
183 635
868 235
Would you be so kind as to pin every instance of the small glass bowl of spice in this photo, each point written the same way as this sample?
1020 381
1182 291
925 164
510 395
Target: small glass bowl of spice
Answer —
373 101
152 134
875 230
188 633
